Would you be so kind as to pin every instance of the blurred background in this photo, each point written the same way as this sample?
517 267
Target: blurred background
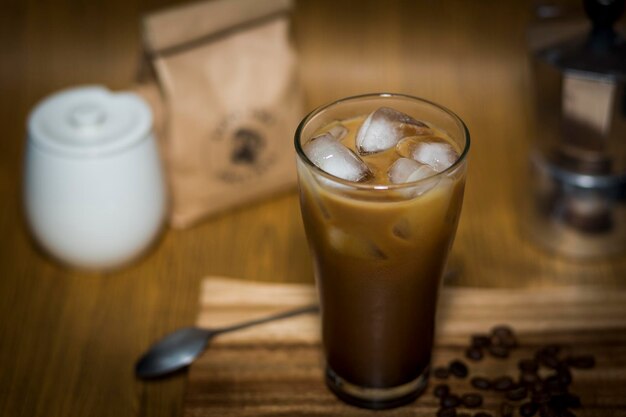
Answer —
68 338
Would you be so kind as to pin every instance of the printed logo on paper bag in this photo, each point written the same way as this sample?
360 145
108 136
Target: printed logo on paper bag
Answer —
247 146
242 149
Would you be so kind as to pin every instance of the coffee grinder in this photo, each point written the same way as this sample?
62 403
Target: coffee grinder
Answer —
578 155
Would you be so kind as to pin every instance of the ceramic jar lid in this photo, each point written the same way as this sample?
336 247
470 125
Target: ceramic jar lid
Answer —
89 121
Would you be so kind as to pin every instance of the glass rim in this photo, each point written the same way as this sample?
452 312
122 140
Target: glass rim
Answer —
300 152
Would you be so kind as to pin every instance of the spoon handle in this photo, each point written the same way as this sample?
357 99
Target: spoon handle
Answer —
283 315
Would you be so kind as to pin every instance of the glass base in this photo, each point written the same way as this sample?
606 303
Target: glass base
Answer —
375 398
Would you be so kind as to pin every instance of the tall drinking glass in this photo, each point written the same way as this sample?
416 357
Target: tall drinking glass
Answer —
379 252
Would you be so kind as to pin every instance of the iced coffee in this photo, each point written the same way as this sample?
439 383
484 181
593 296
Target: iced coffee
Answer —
381 184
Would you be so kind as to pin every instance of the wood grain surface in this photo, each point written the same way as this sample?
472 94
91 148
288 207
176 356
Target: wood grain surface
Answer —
275 369
68 339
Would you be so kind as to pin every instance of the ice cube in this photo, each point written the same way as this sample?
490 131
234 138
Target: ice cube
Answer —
437 155
334 158
338 131
351 245
406 146
384 127
407 170
402 229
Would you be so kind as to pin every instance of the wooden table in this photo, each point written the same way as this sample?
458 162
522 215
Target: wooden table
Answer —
68 339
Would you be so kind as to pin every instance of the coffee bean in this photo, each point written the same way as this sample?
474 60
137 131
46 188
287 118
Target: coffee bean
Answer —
449 401
458 369
508 341
547 411
499 351
463 415
517 394
503 383
573 401
441 372
474 353
480 382
472 400
581 362
564 375
502 330
547 360
480 341
541 397
506 409
566 413
565 400
551 350
441 390
503 336
528 378
446 412
538 386
553 385
528 409
528 365
482 414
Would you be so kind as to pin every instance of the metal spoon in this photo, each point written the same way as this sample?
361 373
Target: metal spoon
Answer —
179 349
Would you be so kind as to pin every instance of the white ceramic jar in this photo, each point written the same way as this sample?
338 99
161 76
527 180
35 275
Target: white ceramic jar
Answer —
93 187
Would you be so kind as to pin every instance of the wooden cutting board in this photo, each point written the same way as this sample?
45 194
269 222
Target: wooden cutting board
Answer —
275 369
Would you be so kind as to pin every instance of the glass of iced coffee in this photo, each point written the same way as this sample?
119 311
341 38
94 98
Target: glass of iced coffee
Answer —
381 187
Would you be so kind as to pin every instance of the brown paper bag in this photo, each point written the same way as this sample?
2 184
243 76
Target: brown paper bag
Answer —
233 101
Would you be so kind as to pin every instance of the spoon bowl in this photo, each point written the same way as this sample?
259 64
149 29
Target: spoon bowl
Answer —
179 349
175 351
